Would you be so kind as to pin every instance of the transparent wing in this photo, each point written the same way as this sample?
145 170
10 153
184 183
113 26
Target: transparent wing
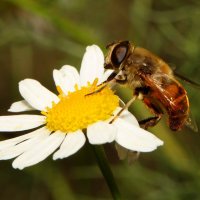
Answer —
192 83
191 123
124 154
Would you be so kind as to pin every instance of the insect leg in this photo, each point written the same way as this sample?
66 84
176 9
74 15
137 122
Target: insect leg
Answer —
110 80
122 152
122 109
149 122
155 109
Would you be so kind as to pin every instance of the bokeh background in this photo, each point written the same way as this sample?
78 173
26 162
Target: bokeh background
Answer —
38 36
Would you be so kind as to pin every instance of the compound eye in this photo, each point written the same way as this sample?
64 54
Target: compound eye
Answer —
119 54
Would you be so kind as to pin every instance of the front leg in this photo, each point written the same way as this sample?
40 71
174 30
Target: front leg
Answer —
110 80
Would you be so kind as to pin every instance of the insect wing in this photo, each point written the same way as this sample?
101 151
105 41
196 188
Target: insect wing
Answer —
192 83
124 153
191 123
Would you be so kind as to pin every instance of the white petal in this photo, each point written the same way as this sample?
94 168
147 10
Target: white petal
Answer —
17 149
36 95
11 142
72 143
101 133
39 152
127 116
92 65
66 78
135 138
20 122
20 106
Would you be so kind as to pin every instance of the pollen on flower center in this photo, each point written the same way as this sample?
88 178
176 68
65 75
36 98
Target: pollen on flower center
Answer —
77 110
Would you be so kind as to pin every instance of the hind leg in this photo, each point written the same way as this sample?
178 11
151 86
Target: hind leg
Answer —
155 109
150 122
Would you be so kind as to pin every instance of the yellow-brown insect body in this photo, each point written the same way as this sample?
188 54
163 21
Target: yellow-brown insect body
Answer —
148 75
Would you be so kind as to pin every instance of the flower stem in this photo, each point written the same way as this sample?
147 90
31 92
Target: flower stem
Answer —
106 171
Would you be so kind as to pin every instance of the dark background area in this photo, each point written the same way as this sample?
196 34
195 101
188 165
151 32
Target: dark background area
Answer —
38 36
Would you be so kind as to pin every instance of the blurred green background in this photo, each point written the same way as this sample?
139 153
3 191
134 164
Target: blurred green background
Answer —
38 36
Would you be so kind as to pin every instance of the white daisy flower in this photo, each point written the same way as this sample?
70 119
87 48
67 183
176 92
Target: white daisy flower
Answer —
67 117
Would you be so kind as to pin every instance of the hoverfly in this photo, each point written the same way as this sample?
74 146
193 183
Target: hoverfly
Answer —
151 80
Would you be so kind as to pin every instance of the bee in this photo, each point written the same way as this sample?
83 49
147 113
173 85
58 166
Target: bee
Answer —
152 80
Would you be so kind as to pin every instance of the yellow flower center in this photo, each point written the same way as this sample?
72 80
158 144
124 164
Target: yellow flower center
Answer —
77 110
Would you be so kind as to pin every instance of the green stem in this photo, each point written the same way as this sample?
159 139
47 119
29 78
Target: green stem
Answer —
106 171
